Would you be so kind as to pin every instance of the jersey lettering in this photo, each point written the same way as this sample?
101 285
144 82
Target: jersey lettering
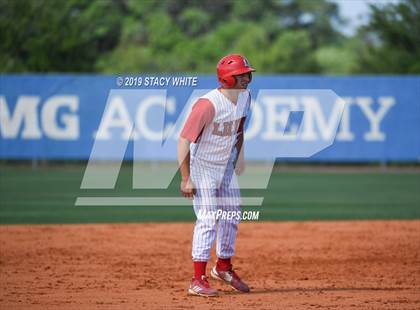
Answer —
229 128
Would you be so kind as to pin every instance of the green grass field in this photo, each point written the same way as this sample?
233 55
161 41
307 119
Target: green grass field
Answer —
47 195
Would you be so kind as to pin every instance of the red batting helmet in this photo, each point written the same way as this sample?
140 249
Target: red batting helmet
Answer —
230 65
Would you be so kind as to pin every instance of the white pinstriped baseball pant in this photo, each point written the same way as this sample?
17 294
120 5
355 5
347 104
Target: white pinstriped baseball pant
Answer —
217 189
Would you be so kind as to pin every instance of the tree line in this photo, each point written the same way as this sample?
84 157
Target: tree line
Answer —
164 36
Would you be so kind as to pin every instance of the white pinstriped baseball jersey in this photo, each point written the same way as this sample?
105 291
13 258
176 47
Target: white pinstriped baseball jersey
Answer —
213 128
217 140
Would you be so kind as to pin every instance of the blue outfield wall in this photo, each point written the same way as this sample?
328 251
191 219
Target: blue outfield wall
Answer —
59 116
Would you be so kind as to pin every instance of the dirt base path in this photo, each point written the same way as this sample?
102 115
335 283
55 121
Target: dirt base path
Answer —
302 265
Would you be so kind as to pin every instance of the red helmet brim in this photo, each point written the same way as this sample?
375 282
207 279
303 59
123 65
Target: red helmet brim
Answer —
240 71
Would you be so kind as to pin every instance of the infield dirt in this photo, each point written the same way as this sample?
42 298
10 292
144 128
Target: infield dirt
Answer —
289 265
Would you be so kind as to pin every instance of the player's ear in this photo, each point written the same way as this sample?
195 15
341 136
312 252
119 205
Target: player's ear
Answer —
235 80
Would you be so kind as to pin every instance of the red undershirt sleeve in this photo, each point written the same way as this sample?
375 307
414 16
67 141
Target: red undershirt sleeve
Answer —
201 115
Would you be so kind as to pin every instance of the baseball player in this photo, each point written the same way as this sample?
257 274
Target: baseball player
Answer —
210 152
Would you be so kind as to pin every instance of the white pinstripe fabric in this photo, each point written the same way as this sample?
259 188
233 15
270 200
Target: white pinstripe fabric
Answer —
214 149
213 174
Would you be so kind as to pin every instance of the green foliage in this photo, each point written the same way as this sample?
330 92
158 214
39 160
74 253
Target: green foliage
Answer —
126 57
317 17
291 52
194 21
338 59
392 39
131 36
45 36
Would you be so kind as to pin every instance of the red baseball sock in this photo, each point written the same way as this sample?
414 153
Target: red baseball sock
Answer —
223 264
199 269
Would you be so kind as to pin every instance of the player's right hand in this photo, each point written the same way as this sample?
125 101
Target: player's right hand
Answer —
187 189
